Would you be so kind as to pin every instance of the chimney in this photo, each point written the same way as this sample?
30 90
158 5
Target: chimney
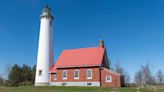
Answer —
101 43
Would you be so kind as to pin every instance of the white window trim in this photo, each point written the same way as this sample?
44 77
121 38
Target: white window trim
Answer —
64 78
55 78
107 78
91 74
74 75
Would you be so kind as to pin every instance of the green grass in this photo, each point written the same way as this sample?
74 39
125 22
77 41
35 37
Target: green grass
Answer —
74 89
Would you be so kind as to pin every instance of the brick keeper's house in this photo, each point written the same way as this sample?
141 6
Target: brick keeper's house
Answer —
84 67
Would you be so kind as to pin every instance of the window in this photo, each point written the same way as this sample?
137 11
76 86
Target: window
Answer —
64 74
55 76
89 74
40 72
76 74
108 78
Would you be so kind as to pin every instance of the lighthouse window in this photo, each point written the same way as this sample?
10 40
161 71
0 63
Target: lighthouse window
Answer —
64 74
40 72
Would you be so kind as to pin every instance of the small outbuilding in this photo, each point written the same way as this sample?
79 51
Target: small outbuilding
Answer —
84 67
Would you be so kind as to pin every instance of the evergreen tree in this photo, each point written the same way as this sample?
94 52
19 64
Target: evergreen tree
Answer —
33 71
1 81
26 73
15 75
20 76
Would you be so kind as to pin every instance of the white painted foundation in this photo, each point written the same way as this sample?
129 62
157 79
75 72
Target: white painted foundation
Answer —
75 84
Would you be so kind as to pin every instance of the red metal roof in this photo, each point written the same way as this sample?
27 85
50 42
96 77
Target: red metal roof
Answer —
53 69
115 73
81 57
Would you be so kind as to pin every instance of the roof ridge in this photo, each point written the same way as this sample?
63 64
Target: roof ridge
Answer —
81 48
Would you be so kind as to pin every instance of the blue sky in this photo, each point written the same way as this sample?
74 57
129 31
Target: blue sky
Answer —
133 30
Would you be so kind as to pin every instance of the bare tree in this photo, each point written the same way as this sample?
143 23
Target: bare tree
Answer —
7 69
139 78
119 68
144 76
160 77
125 77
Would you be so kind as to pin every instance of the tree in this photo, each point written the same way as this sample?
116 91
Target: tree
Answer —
1 81
26 73
119 68
33 71
125 78
160 77
15 75
144 76
7 69
139 78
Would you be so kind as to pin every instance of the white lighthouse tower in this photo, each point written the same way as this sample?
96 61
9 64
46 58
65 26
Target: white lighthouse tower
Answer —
45 56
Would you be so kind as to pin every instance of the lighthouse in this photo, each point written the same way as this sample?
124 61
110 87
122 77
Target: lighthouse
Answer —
45 57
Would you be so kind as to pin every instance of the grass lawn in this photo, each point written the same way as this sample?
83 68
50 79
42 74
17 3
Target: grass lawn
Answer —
73 89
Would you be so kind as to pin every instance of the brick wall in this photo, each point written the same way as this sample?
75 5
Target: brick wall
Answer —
115 79
82 75
99 75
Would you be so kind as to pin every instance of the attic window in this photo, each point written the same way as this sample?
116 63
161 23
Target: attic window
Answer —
40 72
